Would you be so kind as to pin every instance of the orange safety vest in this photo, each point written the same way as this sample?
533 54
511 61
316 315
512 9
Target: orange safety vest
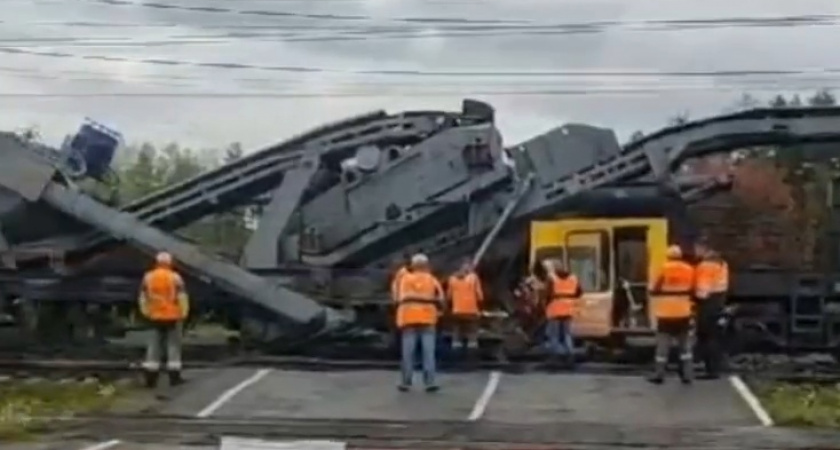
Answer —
564 295
395 283
712 277
672 291
160 285
706 275
466 293
418 302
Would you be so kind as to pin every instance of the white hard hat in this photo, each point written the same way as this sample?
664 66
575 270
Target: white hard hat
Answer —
163 258
673 252
419 259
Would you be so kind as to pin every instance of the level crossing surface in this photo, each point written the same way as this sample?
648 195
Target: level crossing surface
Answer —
467 396
481 399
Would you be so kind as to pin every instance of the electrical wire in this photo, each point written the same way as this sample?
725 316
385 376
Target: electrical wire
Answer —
379 93
411 30
731 73
816 18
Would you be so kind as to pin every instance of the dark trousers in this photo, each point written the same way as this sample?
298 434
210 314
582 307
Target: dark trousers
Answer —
465 330
710 333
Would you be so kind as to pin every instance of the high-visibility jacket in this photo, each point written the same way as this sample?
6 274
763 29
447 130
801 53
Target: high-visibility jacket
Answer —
565 292
420 295
395 282
465 293
162 296
672 291
712 277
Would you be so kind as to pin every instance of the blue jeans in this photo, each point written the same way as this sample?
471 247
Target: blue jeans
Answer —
558 332
426 336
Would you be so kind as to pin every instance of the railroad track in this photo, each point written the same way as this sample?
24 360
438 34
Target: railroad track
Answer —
180 430
791 372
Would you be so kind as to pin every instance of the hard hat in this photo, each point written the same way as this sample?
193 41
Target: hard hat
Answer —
674 252
163 258
419 259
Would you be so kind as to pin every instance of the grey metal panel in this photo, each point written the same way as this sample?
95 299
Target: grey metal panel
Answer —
295 308
21 170
568 149
419 173
261 250
262 171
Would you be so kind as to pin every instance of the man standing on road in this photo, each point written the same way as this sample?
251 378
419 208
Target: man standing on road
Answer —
418 309
712 285
465 296
563 293
164 303
671 298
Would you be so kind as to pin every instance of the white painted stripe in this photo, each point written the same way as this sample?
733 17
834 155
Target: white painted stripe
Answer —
751 400
228 395
489 390
104 445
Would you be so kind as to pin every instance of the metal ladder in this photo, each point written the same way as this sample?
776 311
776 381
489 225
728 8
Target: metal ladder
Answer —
807 325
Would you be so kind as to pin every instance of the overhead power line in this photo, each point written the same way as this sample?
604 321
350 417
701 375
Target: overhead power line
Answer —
379 93
732 73
434 20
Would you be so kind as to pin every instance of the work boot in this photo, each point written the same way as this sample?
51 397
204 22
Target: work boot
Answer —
150 379
687 372
175 378
570 360
552 363
658 375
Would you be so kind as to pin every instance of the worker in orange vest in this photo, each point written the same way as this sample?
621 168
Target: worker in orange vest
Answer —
164 303
418 309
671 295
465 297
564 291
711 288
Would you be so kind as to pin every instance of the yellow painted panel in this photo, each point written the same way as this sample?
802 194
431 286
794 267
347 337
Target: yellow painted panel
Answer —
595 312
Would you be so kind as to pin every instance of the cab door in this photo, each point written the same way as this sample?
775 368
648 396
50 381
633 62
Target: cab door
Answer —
588 257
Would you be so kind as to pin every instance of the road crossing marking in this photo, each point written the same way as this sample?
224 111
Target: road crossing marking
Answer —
484 399
751 400
104 445
229 394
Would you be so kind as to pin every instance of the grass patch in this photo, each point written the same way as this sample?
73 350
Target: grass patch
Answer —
801 405
24 405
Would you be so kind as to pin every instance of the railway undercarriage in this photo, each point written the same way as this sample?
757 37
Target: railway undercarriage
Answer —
343 202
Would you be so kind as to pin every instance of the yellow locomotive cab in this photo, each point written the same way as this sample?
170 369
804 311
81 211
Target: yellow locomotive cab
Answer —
614 259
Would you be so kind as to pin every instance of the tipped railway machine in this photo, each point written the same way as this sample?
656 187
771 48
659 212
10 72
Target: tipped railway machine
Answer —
343 202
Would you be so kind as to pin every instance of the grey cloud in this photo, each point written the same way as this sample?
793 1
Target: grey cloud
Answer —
394 44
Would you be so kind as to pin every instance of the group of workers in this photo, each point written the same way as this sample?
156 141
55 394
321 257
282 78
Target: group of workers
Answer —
684 297
421 301
687 300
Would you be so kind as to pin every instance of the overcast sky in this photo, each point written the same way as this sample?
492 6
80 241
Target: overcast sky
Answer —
338 39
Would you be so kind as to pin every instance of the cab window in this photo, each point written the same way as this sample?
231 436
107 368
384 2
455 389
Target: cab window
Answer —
589 259
583 262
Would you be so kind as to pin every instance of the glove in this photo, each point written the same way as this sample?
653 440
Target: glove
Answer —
184 305
144 307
